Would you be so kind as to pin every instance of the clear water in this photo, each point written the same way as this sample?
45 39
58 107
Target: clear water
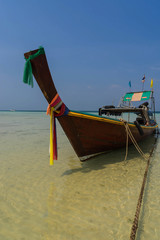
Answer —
71 200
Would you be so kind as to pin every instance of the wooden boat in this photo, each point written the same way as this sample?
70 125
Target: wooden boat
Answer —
92 134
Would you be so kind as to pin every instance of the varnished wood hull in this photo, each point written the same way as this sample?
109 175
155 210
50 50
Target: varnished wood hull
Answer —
91 135
88 134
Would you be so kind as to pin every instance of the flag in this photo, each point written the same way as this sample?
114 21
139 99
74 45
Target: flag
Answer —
151 83
129 84
143 79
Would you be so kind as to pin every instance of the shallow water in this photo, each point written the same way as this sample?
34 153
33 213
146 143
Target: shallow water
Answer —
71 200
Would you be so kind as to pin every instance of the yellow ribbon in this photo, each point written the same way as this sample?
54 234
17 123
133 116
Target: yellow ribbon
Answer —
51 138
55 104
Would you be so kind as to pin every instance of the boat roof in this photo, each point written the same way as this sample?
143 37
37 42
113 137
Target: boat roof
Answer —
137 96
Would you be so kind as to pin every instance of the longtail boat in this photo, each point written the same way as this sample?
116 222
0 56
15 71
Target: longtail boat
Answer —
92 134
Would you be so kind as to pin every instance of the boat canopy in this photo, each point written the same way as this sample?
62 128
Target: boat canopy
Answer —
137 96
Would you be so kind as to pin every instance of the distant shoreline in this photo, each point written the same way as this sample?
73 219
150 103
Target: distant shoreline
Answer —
23 111
45 111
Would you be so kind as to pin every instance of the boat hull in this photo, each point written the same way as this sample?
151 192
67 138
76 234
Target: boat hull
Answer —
90 135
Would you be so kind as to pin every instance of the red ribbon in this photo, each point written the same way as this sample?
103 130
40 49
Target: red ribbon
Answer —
58 108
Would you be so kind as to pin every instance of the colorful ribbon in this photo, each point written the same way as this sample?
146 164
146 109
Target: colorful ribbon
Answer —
55 109
27 75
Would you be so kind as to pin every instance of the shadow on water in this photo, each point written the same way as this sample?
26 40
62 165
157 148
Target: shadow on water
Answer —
113 157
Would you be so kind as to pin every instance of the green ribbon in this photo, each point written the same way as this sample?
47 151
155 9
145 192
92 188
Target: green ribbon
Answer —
27 75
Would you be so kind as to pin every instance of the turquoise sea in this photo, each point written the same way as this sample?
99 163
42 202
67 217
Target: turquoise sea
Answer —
71 200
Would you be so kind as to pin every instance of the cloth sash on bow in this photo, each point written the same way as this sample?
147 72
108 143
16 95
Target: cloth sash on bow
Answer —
55 109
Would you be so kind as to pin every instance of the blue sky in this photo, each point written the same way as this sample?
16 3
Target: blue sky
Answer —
94 48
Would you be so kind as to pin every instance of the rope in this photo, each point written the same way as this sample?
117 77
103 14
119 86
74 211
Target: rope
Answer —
126 140
129 134
138 208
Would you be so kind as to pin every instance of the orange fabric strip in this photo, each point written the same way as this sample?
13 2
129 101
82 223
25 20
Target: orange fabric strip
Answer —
49 106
